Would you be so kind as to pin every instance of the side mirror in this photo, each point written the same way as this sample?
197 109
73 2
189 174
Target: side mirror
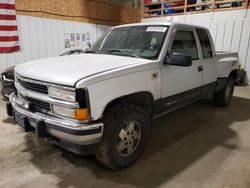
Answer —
178 60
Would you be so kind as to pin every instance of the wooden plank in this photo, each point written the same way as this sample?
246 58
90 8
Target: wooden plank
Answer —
185 5
162 6
142 8
213 1
151 16
153 10
174 14
175 8
227 1
227 9
191 12
199 11
99 12
150 4
246 4
199 4
173 1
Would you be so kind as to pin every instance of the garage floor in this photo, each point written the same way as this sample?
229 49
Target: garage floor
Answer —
197 146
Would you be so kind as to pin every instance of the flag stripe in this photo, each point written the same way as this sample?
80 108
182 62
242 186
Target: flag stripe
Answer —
8 39
8 33
7 1
9 49
8 27
7 6
8 22
7 17
8 44
7 11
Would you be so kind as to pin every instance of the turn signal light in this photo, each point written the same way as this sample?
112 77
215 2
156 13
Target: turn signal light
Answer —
82 114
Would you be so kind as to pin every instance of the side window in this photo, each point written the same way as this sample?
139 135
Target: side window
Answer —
184 43
205 44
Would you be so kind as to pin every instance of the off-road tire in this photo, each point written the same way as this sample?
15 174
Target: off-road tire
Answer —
223 97
114 120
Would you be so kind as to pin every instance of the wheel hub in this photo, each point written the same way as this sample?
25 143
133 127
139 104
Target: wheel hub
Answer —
129 138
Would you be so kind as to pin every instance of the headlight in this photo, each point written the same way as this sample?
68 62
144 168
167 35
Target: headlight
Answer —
62 94
79 114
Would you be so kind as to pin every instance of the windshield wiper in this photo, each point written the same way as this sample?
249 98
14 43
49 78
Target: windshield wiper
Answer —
123 52
91 52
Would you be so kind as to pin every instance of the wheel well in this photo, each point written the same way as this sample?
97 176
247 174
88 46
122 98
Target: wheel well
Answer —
144 100
234 74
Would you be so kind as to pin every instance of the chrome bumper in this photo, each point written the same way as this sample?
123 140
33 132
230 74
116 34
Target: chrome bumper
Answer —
63 129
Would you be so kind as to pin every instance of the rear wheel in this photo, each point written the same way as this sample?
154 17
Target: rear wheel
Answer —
224 96
126 129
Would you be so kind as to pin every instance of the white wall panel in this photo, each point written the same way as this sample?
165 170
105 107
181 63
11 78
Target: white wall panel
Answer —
40 38
229 29
221 28
228 36
238 25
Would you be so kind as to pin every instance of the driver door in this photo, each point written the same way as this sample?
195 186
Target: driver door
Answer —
180 84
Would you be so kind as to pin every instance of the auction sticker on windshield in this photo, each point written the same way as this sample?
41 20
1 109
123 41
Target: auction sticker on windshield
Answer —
156 29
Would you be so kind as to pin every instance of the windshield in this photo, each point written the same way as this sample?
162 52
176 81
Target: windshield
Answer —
134 41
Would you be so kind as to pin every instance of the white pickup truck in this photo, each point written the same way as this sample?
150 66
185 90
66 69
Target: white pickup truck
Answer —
101 101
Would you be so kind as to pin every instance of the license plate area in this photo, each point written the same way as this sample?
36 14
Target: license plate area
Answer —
19 119
23 122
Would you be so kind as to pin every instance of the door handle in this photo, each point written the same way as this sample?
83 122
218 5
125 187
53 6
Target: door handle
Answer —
200 68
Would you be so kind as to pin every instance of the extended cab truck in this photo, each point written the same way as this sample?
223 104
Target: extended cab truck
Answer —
101 101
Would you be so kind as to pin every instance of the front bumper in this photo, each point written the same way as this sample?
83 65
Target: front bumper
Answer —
62 129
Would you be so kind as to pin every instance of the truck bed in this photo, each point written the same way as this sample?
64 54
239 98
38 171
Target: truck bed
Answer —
223 54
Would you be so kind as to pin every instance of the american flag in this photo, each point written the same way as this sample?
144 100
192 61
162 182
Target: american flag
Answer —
8 27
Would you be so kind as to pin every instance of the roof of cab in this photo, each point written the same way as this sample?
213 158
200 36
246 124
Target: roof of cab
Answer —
145 23
158 23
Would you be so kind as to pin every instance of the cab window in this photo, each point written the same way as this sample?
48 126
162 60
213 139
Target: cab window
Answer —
206 46
184 43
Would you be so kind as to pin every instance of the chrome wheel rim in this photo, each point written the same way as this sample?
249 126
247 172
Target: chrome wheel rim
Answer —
129 138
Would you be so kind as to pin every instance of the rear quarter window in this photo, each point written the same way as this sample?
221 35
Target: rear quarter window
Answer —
205 42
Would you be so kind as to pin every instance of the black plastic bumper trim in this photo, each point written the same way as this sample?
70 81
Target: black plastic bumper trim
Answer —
9 109
41 129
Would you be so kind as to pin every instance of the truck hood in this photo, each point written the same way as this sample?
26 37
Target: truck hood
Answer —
67 70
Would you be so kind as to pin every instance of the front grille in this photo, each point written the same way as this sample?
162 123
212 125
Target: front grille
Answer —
39 104
34 87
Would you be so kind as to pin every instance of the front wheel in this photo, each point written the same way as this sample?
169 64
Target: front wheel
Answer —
126 129
224 96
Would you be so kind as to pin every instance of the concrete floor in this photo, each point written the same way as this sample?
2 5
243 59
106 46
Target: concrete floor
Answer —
199 146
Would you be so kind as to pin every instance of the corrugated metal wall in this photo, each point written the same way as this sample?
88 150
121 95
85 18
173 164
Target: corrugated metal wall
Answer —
40 38
230 30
